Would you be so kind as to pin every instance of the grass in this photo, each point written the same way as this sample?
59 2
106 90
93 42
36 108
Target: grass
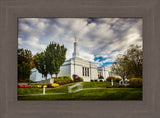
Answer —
98 84
102 93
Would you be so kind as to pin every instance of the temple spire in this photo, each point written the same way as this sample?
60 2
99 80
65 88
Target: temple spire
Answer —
75 53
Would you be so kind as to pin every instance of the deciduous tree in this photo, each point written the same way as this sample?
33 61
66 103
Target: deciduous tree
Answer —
129 64
40 64
24 67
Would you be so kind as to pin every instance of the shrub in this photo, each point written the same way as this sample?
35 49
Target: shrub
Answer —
66 77
109 78
135 82
63 80
117 79
100 80
26 81
121 86
95 80
101 77
76 78
55 85
39 86
92 80
33 85
45 86
81 79
109 86
29 81
49 85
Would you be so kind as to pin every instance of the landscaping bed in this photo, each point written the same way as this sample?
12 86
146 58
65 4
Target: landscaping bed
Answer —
98 91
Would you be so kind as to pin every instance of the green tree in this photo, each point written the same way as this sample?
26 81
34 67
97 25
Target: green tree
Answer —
135 59
24 55
40 64
55 56
129 65
24 71
120 66
24 67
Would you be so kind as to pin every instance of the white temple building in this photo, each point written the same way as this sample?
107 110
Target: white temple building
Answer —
81 67
76 65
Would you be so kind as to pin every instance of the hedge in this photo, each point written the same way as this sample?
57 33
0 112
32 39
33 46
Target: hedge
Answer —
63 80
115 79
135 82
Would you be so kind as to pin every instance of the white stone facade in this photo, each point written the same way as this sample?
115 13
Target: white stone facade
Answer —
81 67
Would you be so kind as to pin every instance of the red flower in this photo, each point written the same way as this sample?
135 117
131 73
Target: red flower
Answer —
25 86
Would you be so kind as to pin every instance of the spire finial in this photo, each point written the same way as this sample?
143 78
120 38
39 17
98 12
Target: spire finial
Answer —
75 38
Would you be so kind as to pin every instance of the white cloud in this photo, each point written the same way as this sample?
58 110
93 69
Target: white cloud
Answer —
32 43
24 27
86 55
105 37
108 60
20 41
69 54
99 63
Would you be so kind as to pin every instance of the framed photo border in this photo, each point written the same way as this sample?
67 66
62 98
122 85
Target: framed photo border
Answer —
11 10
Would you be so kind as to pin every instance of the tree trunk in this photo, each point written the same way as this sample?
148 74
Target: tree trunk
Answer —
123 80
56 76
46 77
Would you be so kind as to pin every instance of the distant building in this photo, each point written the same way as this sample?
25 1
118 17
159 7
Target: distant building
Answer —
36 76
104 71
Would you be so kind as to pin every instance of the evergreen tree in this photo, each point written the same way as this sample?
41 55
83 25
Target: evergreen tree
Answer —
50 57
40 63
55 56
60 57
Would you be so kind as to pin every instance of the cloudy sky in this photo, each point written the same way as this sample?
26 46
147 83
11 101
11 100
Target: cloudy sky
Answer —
99 39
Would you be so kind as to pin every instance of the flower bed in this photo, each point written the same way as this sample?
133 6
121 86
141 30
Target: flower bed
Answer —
40 86
55 85
25 86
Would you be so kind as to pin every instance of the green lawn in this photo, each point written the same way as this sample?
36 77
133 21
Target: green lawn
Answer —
99 92
98 84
